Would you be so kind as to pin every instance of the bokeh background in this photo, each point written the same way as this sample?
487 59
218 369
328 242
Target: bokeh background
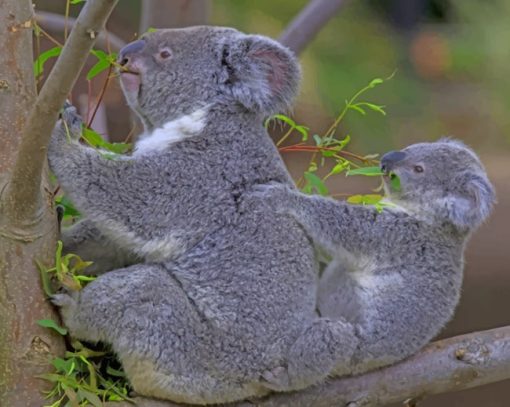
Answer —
449 60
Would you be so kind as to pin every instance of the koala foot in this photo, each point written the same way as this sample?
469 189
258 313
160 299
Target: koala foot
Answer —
277 378
327 345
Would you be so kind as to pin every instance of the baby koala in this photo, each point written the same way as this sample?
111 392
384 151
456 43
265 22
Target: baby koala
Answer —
396 275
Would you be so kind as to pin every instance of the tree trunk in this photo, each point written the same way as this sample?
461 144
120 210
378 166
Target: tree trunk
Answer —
25 348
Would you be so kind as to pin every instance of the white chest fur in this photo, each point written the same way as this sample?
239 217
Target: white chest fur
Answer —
172 132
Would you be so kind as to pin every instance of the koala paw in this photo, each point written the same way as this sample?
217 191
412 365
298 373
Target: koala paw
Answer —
62 300
71 121
67 304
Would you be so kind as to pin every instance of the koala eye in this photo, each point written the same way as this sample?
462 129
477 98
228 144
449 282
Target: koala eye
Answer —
418 168
165 54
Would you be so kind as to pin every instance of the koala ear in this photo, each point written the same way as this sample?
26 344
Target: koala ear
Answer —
471 203
259 73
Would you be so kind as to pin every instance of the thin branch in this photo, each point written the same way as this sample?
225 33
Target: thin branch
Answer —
308 23
23 196
445 366
58 23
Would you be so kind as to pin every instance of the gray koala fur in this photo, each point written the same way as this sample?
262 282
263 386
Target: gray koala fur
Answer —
396 275
218 291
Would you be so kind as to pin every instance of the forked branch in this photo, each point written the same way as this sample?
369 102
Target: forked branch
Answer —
23 196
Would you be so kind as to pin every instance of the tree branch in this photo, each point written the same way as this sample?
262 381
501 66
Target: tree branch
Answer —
173 14
57 23
308 23
23 195
453 364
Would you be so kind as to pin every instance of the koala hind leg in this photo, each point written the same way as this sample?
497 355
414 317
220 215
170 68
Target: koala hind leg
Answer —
84 239
325 345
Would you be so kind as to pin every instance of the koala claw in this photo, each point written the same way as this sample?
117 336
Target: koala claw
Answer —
276 379
62 300
71 118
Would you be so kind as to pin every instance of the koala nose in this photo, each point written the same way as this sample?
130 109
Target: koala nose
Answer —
129 50
389 160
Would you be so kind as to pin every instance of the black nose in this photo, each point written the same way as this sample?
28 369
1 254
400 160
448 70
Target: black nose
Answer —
129 50
389 160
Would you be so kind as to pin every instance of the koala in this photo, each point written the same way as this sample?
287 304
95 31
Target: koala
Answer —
204 294
396 275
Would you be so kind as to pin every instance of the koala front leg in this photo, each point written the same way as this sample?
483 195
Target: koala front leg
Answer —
331 224
112 192
326 345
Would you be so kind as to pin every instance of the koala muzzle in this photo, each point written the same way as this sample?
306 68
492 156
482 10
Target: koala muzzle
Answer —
126 52
389 160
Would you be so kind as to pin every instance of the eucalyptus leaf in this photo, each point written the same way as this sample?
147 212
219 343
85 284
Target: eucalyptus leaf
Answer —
49 323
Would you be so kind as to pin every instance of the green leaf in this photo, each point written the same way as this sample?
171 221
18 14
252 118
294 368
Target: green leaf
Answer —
45 279
63 365
317 139
77 1
375 82
304 132
370 199
316 183
114 372
284 119
49 323
395 182
96 141
99 67
104 62
90 397
312 167
329 153
367 171
43 58
374 107
69 209
357 108
337 169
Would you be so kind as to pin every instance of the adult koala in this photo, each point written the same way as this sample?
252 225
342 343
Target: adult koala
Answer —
223 290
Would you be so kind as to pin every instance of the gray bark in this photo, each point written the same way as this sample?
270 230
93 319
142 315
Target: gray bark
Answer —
453 364
303 29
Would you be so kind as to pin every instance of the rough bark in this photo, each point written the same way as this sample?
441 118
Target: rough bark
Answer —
303 29
27 220
452 364
25 348
173 14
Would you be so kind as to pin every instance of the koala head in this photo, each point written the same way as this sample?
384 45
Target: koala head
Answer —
173 72
445 179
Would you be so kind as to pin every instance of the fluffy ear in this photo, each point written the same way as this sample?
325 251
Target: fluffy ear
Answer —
471 203
259 73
